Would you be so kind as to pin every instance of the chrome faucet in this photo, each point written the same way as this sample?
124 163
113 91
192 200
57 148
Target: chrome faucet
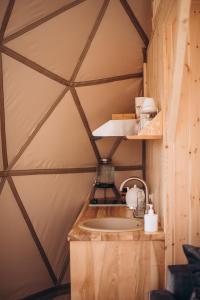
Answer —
140 180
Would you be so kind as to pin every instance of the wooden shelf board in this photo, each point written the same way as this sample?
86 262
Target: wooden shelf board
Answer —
153 131
144 137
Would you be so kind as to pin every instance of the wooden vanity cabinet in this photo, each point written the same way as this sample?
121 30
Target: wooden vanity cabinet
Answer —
117 265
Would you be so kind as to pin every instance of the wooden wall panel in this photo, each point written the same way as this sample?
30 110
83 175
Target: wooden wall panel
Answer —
187 146
115 269
194 138
173 71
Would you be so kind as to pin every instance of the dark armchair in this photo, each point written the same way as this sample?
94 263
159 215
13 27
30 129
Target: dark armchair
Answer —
183 280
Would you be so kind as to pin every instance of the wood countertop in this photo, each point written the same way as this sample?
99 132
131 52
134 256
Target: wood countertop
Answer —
88 212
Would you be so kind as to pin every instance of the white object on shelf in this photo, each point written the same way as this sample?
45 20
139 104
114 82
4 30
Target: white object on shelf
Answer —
117 128
144 105
150 220
135 198
148 106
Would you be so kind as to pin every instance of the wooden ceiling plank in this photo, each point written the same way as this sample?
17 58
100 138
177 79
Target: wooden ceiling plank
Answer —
41 21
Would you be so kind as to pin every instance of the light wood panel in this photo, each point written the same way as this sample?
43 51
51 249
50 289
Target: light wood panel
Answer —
173 164
194 137
115 270
88 212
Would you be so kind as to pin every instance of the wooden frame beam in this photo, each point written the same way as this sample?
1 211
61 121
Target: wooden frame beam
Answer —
47 171
129 168
38 68
2 118
31 64
2 108
41 21
68 84
29 172
51 293
107 80
90 39
135 22
115 146
6 19
42 121
2 183
32 230
85 122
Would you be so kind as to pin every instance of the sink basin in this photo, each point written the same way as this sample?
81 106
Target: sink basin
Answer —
112 224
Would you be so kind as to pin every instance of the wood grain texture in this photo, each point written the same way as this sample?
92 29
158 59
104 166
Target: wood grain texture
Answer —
176 160
116 270
194 136
123 116
144 137
88 212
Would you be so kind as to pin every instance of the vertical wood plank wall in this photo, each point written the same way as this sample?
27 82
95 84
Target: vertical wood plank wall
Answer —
179 203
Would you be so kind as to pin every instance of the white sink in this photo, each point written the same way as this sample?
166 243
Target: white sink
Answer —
112 224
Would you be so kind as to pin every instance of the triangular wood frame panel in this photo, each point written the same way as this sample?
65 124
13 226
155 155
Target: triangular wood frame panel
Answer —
8 172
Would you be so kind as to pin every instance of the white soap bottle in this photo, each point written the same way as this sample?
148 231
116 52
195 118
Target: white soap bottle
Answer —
150 220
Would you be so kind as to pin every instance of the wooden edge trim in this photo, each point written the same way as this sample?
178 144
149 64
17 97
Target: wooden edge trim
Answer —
115 147
41 21
6 18
33 65
144 160
107 80
41 123
63 289
32 230
2 118
85 122
90 38
135 22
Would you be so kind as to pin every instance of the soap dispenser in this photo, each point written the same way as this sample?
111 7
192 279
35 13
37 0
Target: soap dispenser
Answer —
150 220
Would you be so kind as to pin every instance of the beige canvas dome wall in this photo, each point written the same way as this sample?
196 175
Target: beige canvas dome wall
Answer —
66 66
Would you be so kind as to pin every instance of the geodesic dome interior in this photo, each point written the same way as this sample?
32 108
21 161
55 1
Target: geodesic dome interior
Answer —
66 66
